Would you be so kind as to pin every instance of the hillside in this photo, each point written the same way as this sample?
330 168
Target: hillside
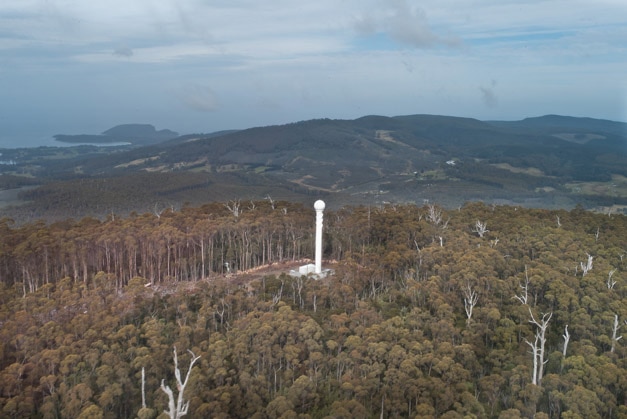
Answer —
482 311
550 161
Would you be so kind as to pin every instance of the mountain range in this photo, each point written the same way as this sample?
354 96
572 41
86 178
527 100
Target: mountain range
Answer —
549 161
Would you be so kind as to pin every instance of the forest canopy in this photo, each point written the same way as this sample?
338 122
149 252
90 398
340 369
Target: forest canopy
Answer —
481 311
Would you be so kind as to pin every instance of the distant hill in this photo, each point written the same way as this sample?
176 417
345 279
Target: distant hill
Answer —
334 154
572 129
136 134
553 123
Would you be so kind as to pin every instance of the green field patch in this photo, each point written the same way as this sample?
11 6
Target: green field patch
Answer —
201 169
531 171
616 187
437 174
261 169
227 168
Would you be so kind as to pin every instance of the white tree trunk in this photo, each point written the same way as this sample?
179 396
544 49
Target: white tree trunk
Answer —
615 330
538 346
610 282
435 215
566 337
234 207
143 388
178 410
534 353
470 300
587 267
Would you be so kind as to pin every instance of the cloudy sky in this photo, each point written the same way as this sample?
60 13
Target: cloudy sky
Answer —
79 66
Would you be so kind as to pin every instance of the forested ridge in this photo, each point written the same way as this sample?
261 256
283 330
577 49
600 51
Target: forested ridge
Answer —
481 311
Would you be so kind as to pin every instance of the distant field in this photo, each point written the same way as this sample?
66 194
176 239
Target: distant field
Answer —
136 162
616 187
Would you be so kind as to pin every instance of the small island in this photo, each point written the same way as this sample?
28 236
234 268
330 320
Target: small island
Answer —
135 134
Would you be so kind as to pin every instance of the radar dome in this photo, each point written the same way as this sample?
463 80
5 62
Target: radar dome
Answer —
319 205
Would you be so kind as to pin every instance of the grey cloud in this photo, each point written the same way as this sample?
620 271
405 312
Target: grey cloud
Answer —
410 26
365 25
62 17
123 52
409 66
405 24
199 98
488 95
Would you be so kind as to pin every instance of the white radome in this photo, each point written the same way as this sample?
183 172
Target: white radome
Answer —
319 205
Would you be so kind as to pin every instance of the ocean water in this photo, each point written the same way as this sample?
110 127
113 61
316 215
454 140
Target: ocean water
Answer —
32 141
29 141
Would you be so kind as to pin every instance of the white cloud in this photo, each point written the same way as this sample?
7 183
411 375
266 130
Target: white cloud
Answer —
335 58
199 98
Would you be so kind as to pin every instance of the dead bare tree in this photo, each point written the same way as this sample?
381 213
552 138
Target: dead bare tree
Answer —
480 228
297 287
143 388
158 211
585 268
276 297
610 282
470 300
434 216
178 410
615 330
220 313
566 337
535 352
269 198
537 347
234 207
145 412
